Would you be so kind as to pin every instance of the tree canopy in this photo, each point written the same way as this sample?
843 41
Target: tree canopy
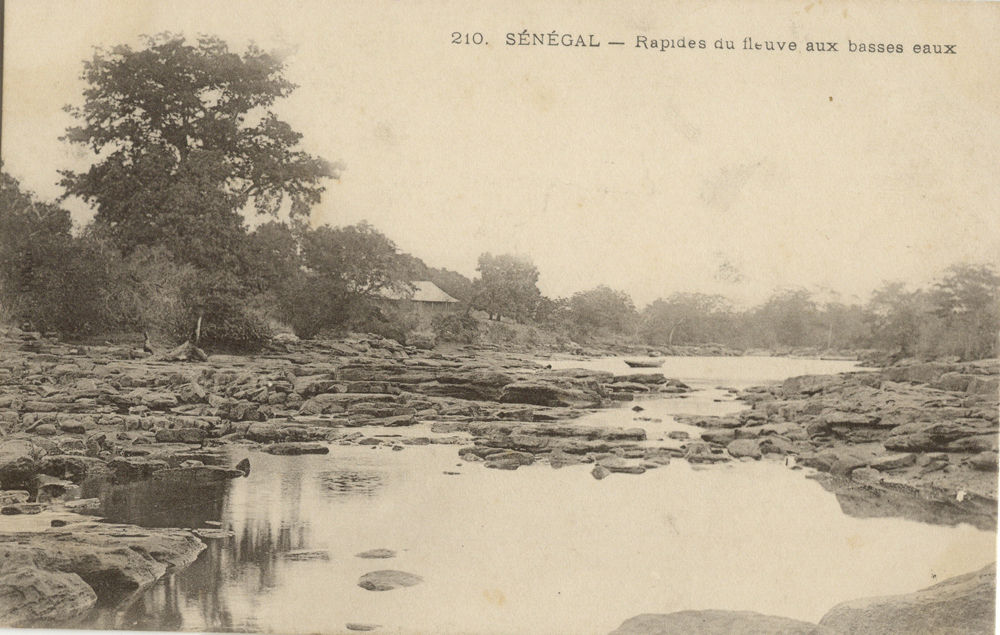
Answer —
602 308
185 140
507 286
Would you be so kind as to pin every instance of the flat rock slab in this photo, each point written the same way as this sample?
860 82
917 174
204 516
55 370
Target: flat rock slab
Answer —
963 605
293 449
30 596
376 553
352 626
387 580
717 623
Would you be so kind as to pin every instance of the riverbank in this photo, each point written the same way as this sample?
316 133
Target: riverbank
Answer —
74 414
916 440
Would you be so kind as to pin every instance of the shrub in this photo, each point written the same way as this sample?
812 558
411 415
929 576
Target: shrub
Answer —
312 305
390 323
227 321
461 329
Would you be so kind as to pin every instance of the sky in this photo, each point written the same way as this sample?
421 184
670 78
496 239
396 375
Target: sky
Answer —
653 172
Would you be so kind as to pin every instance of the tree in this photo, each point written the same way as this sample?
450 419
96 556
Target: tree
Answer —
687 318
789 318
185 141
507 286
895 314
967 299
602 308
359 258
273 255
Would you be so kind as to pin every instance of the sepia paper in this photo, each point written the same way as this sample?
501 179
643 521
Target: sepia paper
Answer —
654 147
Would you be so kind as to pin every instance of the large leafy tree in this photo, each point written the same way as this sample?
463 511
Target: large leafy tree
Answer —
602 308
686 318
896 314
967 300
186 140
507 286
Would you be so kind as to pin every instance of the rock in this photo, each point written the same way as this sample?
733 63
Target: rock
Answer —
423 341
22 508
846 463
387 580
600 472
717 623
962 605
985 461
303 555
376 553
354 626
978 443
620 466
84 505
180 435
808 384
700 452
31 596
866 475
893 462
196 476
721 436
926 437
397 421
744 448
72 468
114 560
984 386
541 393
263 432
14 496
207 533
509 460
17 462
135 468
159 400
244 466
290 449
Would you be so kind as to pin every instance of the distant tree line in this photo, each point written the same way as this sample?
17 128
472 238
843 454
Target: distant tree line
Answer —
186 146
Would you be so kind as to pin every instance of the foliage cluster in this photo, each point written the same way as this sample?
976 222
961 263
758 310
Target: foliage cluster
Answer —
185 146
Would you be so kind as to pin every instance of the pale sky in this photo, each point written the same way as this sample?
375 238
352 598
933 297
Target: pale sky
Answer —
648 171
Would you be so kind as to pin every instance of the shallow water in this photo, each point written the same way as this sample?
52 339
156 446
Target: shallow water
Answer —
537 550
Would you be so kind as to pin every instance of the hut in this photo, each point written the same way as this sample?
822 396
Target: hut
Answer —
426 300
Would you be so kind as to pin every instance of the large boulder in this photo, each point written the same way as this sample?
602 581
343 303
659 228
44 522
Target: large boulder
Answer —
927 437
963 605
717 623
543 393
31 597
18 462
180 435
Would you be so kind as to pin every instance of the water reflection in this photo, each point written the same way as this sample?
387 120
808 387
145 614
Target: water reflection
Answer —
347 482
170 500
568 553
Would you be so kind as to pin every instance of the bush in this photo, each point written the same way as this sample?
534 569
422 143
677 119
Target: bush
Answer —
461 329
390 323
312 305
227 321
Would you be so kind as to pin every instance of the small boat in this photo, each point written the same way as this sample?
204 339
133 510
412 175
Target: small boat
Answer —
644 363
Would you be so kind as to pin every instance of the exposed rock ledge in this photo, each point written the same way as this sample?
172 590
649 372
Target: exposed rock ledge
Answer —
963 605
56 576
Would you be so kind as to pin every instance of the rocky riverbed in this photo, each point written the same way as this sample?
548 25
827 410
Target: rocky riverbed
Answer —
917 440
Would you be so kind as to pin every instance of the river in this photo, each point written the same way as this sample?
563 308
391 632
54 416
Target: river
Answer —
537 550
